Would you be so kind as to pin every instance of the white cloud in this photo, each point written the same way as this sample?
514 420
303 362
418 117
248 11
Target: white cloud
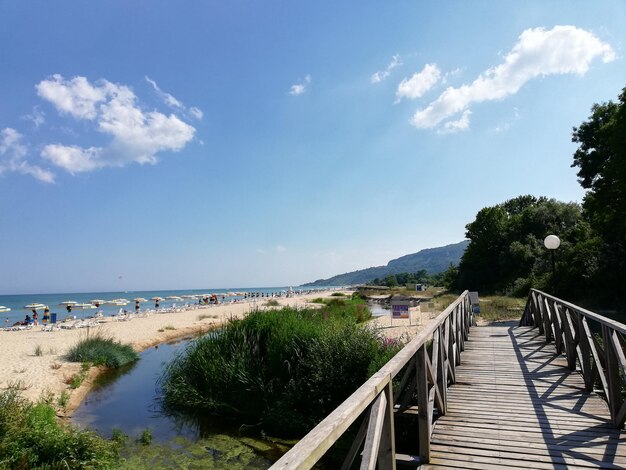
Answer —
11 144
166 97
137 135
37 117
538 52
196 112
419 83
13 157
72 158
299 88
381 75
169 100
461 124
77 97
281 249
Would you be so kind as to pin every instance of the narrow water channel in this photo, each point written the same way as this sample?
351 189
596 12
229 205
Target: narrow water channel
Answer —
128 400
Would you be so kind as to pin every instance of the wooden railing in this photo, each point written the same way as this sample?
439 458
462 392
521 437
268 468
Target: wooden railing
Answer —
593 344
429 363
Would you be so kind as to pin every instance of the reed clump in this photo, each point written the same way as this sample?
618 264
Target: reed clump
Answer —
99 349
285 369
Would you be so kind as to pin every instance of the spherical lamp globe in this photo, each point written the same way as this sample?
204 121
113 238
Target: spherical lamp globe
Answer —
552 242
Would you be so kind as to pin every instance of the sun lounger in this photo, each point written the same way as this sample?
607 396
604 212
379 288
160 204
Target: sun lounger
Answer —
21 327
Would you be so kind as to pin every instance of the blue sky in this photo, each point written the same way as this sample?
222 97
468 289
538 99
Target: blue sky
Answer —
158 144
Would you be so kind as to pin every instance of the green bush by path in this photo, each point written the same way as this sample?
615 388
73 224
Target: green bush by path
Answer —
31 438
285 369
99 350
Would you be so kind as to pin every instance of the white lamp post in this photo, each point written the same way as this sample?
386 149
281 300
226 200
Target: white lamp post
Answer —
552 242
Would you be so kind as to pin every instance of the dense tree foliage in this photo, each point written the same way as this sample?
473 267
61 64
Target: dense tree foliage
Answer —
506 252
401 279
601 162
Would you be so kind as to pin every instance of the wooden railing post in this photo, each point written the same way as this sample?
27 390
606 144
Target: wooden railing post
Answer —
537 312
586 360
545 314
442 374
387 451
612 375
424 417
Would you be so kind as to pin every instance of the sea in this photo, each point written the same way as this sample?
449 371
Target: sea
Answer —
55 302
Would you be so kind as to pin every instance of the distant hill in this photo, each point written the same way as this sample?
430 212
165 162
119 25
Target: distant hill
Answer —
433 260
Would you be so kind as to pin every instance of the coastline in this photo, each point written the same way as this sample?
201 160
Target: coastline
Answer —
39 375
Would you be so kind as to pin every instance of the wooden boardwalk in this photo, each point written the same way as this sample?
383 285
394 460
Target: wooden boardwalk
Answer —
515 404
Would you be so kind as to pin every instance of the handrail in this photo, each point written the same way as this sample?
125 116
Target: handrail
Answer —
599 358
432 371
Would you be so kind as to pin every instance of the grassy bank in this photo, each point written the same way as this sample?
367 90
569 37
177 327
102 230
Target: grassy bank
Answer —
283 369
32 438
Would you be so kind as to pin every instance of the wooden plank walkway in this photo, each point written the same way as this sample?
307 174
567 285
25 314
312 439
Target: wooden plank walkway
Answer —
517 405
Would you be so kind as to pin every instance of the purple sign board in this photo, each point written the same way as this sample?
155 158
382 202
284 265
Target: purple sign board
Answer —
400 310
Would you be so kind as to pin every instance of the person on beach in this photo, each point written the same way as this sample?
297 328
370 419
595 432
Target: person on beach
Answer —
69 309
46 316
136 306
35 318
27 320
156 303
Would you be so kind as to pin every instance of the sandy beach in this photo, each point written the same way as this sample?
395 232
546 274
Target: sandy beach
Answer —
48 371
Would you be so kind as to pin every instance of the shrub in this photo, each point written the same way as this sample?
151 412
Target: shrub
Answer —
272 303
145 438
287 368
99 350
31 437
117 435
38 350
63 400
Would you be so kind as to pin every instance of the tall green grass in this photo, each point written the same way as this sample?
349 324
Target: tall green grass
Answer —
497 308
285 369
99 349
32 438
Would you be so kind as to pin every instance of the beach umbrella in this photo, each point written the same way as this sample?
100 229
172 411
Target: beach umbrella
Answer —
156 298
140 299
68 302
231 294
97 301
83 306
4 309
34 306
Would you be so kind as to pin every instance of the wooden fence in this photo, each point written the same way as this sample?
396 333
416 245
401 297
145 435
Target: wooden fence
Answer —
429 362
592 343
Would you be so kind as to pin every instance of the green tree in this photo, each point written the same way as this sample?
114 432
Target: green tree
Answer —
601 162
506 252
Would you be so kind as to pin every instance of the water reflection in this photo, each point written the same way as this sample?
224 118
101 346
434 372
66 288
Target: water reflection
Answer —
128 399
378 310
